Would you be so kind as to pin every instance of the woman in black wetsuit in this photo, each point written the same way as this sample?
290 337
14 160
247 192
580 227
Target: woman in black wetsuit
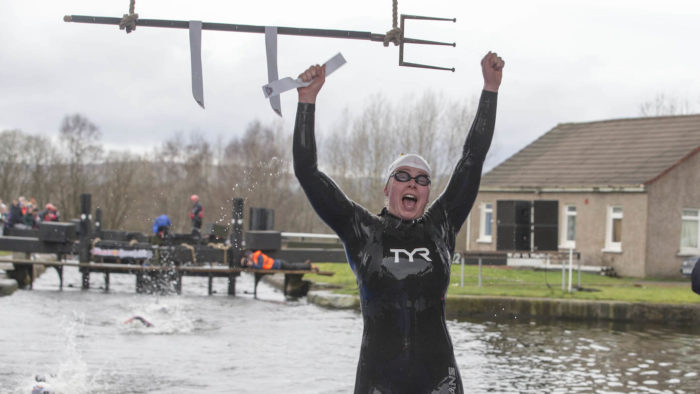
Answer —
401 257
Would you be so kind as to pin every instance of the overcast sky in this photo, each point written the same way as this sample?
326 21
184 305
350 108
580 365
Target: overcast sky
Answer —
566 61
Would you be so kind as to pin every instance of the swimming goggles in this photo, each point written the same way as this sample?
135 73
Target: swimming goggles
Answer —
403 176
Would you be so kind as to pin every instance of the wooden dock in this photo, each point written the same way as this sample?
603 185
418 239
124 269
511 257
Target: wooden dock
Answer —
291 277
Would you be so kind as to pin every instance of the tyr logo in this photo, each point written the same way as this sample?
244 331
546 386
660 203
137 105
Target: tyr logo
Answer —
421 252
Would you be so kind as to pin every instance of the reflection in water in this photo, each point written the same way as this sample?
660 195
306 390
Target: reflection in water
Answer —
201 344
573 356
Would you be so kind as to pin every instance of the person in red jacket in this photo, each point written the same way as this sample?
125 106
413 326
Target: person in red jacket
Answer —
261 261
196 214
49 214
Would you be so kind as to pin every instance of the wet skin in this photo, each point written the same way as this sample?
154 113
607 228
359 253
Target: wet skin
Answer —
401 260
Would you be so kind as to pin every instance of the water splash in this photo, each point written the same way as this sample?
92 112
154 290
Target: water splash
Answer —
71 374
165 319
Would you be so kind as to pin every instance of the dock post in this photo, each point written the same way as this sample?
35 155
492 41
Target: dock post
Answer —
139 282
178 284
84 245
236 242
106 280
60 277
98 223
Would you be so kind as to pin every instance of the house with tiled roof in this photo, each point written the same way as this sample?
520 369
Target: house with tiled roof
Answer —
628 192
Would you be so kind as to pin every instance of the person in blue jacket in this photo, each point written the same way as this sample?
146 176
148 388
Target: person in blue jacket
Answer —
161 225
401 257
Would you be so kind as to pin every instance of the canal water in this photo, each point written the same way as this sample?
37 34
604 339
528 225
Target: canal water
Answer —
79 342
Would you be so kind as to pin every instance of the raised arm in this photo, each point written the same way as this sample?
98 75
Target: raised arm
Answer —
329 202
461 190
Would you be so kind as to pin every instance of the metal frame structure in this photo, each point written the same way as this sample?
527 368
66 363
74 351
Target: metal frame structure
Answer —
294 31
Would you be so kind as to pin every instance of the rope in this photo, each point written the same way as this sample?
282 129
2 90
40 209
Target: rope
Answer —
133 242
94 242
128 22
395 34
219 246
191 248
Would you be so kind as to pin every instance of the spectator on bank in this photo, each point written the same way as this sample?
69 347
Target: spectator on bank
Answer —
23 204
49 214
14 216
161 226
196 214
31 218
3 212
261 261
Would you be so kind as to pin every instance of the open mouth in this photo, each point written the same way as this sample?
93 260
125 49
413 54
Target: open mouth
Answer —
409 201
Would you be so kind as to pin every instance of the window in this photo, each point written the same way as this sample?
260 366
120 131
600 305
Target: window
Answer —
485 222
613 233
569 227
690 236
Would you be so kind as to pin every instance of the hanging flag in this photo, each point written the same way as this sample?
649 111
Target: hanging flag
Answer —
271 51
196 60
274 88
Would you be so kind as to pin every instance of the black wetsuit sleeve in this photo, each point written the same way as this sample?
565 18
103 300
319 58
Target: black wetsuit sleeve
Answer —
329 202
461 190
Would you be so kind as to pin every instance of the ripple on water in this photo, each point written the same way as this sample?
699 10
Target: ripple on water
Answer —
218 344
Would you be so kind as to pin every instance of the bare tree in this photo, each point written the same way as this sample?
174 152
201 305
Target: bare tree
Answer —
357 150
116 192
257 168
81 149
663 105
10 166
39 167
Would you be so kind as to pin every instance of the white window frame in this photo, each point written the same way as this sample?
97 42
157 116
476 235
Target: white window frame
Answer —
566 216
685 250
610 246
485 208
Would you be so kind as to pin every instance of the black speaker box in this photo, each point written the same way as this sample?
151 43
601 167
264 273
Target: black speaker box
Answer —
57 232
261 219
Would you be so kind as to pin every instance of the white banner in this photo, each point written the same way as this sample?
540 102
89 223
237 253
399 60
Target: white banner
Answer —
274 88
196 60
272 75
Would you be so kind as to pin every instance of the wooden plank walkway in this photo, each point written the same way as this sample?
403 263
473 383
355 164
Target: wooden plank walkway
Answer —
210 271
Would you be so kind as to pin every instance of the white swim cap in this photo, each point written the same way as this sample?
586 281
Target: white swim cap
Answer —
408 160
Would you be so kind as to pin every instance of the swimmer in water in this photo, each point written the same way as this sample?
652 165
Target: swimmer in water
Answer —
401 257
41 387
139 318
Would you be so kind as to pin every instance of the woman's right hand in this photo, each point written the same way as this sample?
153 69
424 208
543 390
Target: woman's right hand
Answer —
317 74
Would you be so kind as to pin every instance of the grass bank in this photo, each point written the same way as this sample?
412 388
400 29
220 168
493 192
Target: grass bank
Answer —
513 282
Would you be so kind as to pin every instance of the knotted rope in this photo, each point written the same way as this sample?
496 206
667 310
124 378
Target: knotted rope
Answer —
128 22
219 246
394 35
191 248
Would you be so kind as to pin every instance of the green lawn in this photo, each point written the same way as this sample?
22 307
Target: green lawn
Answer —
510 282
